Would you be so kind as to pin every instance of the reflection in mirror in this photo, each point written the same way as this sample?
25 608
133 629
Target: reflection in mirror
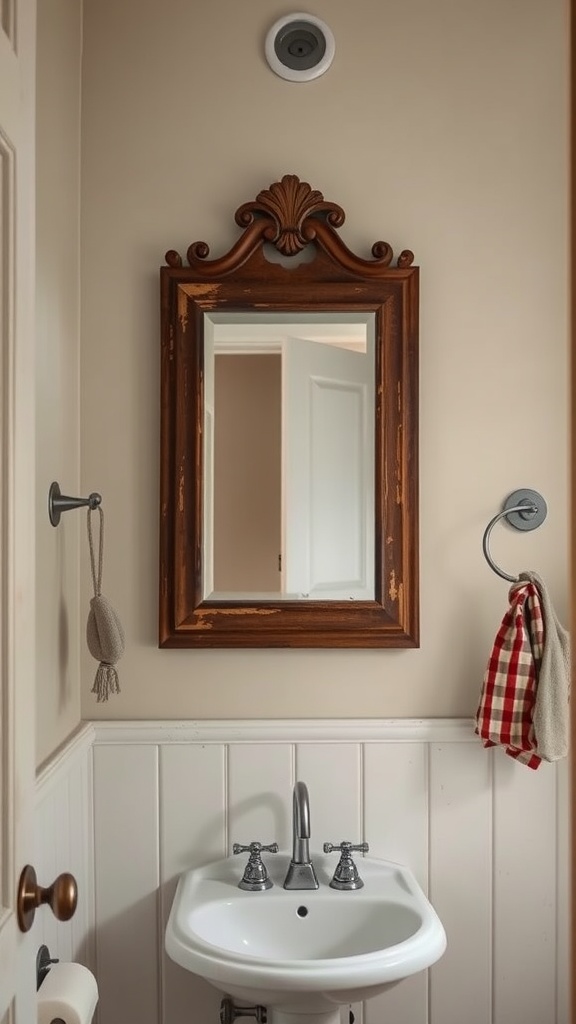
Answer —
289 456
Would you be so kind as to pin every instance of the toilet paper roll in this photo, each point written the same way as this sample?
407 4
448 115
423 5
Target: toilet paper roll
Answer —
69 993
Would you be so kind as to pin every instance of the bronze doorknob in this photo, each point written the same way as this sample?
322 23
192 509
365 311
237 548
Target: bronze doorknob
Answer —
61 897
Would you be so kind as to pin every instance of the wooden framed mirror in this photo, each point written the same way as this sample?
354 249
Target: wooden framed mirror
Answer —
289 428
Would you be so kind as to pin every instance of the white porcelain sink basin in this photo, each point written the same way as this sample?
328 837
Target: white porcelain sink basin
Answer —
303 951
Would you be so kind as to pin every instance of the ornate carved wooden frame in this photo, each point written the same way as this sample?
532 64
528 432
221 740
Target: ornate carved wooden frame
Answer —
289 216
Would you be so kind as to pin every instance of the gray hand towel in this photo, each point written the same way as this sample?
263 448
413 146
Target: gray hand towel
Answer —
551 712
104 633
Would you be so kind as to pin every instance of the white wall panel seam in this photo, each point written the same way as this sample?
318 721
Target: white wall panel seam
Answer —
93 869
226 775
361 1016
556 900
361 794
89 855
492 846
562 936
64 856
427 785
159 928
564 886
161 877
159 894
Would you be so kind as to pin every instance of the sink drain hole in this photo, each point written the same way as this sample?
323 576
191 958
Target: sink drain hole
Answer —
302 911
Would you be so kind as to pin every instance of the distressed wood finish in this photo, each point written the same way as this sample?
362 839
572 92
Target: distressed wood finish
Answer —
289 216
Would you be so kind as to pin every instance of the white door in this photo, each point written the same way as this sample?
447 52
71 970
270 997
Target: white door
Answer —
17 498
328 461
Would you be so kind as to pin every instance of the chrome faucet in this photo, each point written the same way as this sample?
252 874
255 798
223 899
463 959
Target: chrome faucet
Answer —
301 873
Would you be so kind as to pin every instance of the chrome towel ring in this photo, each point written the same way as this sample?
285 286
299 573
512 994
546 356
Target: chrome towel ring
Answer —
524 510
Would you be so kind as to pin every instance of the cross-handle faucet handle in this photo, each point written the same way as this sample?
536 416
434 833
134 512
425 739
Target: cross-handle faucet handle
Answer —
255 848
346 874
255 877
346 847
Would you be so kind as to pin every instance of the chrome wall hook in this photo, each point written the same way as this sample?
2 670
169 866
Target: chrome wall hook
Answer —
524 510
58 503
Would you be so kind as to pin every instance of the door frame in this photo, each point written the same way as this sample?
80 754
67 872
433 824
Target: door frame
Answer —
17 500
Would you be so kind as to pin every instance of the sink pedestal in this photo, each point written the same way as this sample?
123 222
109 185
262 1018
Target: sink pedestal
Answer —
285 1017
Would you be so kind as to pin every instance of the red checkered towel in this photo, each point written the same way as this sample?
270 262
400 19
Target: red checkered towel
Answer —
507 702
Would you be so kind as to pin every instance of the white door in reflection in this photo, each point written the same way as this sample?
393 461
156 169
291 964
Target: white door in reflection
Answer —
289 460
328 440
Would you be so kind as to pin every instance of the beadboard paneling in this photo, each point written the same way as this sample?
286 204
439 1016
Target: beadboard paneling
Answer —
194 831
127 880
461 879
332 772
396 827
396 804
64 842
563 903
480 832
525 899
259 776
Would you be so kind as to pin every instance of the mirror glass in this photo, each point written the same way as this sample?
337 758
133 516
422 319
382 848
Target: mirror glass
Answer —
288 456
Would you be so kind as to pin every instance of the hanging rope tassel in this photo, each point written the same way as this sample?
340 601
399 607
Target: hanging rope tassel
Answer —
104 632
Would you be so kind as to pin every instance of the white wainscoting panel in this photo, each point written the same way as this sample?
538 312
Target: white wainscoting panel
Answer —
64 842
193 788
396 827
485 836
258 777
525 898
127 882
333 774
460 816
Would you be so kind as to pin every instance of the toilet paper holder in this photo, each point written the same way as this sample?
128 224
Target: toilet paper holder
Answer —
43 962
68 993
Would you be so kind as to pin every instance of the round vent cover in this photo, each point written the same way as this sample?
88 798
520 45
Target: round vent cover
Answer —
300 47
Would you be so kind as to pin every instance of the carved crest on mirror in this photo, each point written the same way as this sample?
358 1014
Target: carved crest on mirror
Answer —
289 427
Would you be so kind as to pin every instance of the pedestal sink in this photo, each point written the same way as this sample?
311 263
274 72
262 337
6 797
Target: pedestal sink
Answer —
303 953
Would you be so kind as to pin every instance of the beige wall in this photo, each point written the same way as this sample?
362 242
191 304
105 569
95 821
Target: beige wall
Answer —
441 128
58 626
